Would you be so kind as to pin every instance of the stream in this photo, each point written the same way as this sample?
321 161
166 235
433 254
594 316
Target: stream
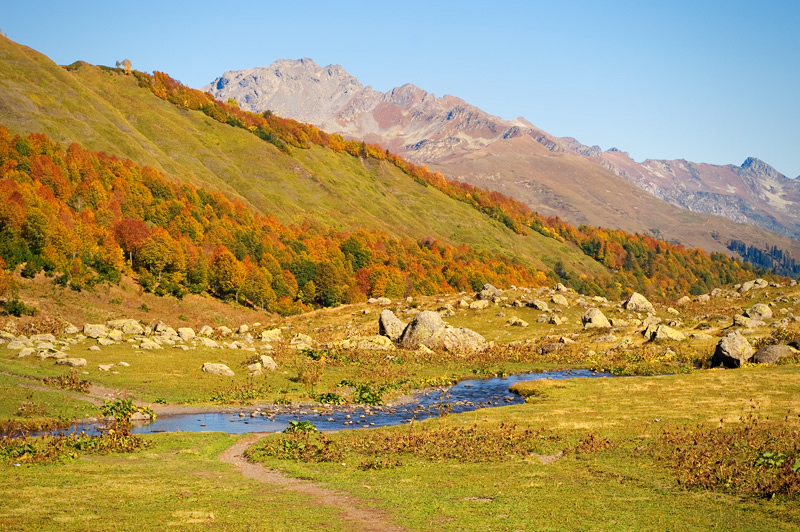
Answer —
465 396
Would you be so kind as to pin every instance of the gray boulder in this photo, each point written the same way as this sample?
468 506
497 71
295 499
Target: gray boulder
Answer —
759 311
460 340
301 341
638 303
217 369
186 333
425 329
94 330
480 304
662 332
594 318
268 363
732 351
489 292
390 325
72 362
516 321
559 299
771 354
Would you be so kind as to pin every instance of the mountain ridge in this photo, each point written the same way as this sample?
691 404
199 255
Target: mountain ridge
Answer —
444 132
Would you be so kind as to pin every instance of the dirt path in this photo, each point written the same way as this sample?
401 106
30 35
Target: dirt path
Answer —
362 519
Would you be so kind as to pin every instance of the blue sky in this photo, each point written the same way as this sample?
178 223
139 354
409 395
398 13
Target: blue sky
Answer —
707 81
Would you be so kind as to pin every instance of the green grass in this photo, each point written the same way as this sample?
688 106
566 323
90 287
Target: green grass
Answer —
23 403
619 487
176 484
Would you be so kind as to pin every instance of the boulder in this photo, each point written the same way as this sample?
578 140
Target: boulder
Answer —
268 363
685 300
732 351
759 311
301 341
662 332
560 288
373 343
149 343
94 348
538 305
186 333
460 340
271 335
43 338
383 301
480 304
638 303
594 318
132 327
115 335
205 330
72 362
425 329
747 323
255 369
514 321
771 354
703 298
17 344
463 303
224 331
555 319
489 293
26 352
217 369
673 311
105 341
208 342
559 299
390 325
105 367
243 329
71 329
94 330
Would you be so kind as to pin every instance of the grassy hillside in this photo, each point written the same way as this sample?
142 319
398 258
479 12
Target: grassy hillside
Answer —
107 111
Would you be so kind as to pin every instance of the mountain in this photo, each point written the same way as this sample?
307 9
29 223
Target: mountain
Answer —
555 176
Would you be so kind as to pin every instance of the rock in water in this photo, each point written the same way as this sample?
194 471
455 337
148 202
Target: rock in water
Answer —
731 351
638 303
390 325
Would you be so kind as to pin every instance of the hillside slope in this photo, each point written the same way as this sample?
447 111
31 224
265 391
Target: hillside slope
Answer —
107 111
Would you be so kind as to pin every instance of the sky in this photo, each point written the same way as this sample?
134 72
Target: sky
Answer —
703 80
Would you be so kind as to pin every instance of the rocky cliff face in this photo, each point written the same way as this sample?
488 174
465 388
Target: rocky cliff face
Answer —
448 134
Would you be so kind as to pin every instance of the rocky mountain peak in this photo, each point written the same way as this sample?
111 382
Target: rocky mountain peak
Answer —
760 168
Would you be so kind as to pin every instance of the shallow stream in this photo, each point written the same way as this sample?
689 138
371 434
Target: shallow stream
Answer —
463 397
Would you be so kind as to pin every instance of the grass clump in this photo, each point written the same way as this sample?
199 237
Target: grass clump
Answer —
242 393
755 458
68 382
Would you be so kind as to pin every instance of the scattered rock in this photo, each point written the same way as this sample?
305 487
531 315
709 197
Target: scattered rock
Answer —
703 298
390 325
268 363
773 353
685 300
94 348
271 335
208 342
461 340
559 299
514 321
205 330
759 311
538 305
301 341
673 311
561 288
17 344
555 319
243 329
480 304
732 351
218 369
384 301
255 369
224 331
72 362
638 303
149 343
594 318
373 343
94 330
105 367
186 333
662 332
124 364
489 293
